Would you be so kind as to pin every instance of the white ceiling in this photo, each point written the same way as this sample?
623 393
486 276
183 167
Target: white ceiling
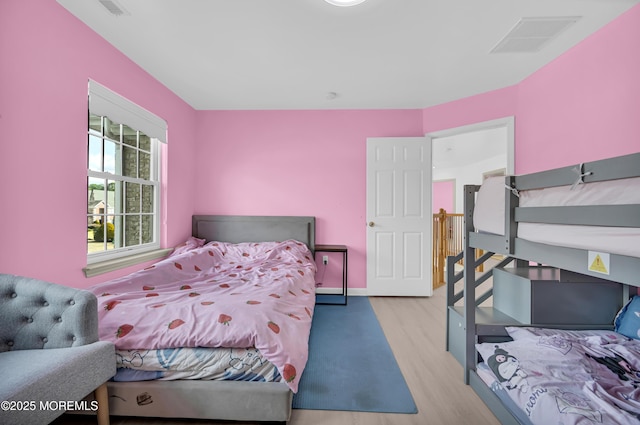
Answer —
290 54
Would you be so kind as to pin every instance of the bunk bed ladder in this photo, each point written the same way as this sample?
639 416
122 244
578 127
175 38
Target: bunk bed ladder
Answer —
469 293
473 280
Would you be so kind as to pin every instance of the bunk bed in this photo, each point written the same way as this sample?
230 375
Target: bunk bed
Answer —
547 281
231 264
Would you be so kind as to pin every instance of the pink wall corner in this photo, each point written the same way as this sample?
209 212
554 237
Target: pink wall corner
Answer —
296 163
46 62
580 107
487 106
584 105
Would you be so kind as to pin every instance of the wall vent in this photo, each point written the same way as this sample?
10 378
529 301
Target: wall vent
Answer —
113 7
530 35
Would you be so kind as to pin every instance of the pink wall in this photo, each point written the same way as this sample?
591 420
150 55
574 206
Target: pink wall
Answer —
585 105
47 56
482 107
296 163
582 106
443 196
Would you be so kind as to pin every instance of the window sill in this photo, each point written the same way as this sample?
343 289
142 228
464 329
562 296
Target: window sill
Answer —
102 267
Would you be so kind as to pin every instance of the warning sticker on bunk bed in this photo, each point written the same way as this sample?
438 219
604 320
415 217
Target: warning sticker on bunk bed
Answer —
598 262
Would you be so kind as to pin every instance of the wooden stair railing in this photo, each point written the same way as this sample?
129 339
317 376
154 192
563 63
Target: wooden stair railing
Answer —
448 240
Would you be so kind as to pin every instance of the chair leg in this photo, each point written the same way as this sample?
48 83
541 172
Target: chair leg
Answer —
102 397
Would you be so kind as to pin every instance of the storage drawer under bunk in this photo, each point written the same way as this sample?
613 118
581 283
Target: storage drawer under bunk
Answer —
548 296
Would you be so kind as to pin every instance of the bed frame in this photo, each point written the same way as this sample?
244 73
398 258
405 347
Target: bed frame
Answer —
220 400
238 228
482 324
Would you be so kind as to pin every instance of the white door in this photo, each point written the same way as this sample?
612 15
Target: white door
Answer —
399 216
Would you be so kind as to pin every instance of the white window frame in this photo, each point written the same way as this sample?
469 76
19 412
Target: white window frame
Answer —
104 102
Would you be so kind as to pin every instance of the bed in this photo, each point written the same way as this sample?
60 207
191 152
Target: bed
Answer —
549 376
582 222
219 329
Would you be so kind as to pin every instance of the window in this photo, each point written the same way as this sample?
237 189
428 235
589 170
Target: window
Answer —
123 177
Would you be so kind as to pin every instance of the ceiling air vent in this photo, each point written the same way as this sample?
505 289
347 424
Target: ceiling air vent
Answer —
113 7
530 35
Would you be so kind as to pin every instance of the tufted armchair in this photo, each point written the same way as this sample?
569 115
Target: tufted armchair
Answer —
50 356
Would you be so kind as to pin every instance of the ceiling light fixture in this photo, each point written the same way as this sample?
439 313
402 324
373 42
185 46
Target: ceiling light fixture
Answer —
344 3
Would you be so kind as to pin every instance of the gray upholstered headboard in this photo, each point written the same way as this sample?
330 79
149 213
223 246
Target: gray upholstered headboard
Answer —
242 228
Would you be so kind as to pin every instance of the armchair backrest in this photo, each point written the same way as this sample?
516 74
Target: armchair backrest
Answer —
36 314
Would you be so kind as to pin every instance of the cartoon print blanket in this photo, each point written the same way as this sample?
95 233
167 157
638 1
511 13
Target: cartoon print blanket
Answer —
224 364
258 295
567 377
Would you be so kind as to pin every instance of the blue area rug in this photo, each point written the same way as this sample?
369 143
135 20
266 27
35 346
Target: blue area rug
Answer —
351 366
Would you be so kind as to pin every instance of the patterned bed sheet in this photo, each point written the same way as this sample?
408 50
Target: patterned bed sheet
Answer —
224 364
555 377
259 295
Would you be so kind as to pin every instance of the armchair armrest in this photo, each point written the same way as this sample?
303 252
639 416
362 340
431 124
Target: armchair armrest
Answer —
37 314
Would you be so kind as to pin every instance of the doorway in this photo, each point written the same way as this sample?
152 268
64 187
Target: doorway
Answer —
466 155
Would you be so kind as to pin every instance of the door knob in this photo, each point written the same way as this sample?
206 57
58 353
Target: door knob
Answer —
371 224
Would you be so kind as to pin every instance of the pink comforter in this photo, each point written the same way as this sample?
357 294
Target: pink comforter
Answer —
220 295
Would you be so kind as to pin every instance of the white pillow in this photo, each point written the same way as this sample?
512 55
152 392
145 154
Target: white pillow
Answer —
488 215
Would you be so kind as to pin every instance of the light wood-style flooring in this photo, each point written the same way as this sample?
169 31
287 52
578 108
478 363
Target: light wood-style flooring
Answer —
415 329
